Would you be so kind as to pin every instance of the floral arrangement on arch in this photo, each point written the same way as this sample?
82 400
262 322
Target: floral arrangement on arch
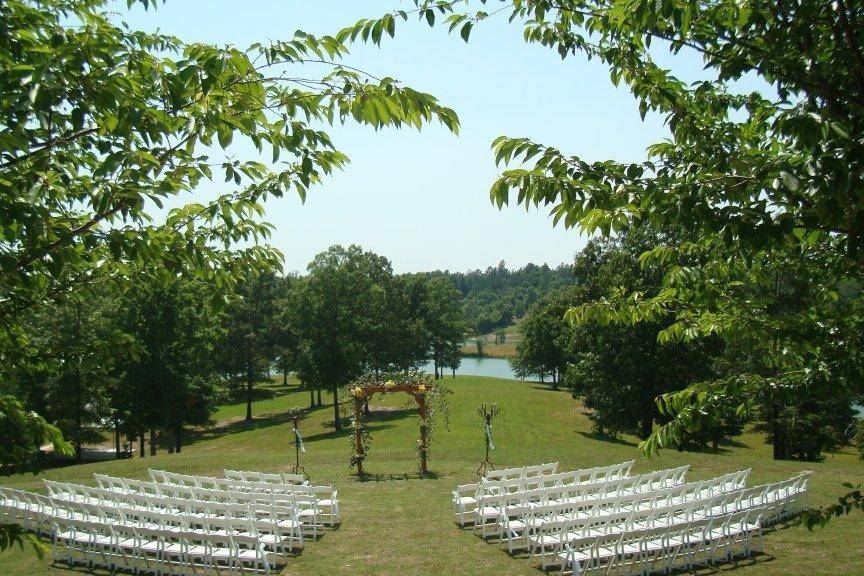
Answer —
431 398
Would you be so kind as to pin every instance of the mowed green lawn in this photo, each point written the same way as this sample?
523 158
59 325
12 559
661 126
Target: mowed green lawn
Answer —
400 524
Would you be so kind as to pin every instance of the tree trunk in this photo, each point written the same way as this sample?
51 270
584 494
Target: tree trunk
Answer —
554 379
716 436
779 442
285 377
646 425
358 439
250 376
78 396
311 398
116 440
152 441
178 433
141 443
366 410
319 397
337 423
778 434
453 368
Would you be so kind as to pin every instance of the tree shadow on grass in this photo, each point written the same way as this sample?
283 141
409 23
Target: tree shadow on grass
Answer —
724 447
755 559
384 413
377 477
267 421
547 386
343 433
606 438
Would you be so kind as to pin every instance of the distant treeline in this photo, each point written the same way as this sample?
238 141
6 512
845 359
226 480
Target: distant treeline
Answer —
494 298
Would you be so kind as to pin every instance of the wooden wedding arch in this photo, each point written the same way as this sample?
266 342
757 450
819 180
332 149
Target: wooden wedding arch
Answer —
419 386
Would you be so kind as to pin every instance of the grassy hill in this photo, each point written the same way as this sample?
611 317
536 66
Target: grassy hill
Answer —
507 349
400 524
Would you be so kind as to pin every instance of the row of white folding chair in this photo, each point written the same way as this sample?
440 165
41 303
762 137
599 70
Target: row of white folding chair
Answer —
776 500
267 482
489 507
145 549
707 541
546 541
269 533
689 491
569 478
327 496
522 471
725 493
210 482
516 530
270 477
780 500
309 507
284 517
26 509
466 496
42 514
680 494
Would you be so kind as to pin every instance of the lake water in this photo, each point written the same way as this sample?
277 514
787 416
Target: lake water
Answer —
496 367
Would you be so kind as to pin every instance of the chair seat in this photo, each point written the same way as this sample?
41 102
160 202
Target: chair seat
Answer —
574 555
246 554
73 536
544 540
488 512
222 553
516 525
150 546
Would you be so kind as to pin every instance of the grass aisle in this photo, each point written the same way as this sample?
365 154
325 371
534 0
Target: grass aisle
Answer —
400 524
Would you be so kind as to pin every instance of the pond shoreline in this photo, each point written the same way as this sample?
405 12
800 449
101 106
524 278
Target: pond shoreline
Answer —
481 366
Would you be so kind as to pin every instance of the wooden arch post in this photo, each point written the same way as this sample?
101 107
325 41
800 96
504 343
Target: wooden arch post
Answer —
359 452
424 432
418 391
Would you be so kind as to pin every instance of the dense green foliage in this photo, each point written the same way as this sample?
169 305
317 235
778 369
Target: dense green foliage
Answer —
494 298
169 382
80 346
23 432
100 126
250 340
354 317
617 371
770 181
547 344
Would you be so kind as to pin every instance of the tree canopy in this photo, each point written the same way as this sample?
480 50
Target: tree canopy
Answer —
104 127
768 180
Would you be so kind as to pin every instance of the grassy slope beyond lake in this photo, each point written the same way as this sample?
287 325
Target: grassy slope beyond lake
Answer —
397 525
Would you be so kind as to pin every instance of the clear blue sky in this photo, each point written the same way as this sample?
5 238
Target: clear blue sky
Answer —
421 198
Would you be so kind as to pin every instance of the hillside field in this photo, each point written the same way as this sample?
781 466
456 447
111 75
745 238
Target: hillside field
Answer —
396 523
507 349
